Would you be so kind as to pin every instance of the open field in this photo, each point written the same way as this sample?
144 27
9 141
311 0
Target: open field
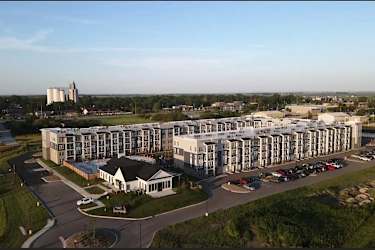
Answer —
26 142
119 119
303 217
18 207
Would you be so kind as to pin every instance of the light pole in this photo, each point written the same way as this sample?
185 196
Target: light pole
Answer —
14 173
206 214
140 234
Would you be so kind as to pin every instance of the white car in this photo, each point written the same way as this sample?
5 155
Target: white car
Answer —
276 174
85 201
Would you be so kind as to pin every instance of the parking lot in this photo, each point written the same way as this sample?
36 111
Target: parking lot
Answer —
298 170
365 155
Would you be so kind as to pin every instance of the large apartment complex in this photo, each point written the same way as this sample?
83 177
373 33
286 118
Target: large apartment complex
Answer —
80 144
276 141
208 146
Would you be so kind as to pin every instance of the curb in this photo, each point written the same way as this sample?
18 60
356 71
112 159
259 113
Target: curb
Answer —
236 192
112 217
50 223
143 218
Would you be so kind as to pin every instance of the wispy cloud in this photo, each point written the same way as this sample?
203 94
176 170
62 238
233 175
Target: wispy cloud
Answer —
166 63
34 43
25 44
76 20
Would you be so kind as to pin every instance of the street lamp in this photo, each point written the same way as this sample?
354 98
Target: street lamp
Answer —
206 214
140 234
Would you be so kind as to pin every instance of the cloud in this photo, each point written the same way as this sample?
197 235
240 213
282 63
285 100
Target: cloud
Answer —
25 44
33 44
76 20
166 63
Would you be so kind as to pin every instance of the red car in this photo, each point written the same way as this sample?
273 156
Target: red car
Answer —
331 168
244 181
281 171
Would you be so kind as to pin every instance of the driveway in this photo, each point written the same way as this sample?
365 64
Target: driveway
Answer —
60 200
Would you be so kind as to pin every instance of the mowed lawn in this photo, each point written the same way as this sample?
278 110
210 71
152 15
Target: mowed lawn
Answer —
70 175
94 190
139 206
18 207
120 119
297 218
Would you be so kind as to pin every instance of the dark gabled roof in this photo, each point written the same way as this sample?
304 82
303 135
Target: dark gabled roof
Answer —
130 169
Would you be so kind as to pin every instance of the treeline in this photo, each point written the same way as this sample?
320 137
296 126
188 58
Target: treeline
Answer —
155 103
146 104
32 124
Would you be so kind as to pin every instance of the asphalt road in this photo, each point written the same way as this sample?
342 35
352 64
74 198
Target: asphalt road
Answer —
61 201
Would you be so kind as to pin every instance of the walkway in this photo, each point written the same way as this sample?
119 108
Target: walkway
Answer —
69 183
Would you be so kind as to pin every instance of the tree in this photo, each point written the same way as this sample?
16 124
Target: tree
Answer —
156 107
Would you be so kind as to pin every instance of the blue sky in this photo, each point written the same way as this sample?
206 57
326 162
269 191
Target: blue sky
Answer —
187 47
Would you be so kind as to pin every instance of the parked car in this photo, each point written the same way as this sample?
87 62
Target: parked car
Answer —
253 179
85 201
331 168
276 174
283 179
249 187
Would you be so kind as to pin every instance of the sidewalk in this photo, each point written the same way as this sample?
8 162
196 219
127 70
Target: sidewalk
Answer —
69 183
31 239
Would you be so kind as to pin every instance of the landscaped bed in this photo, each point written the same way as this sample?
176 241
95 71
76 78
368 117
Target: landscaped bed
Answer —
140 205
85 206
297 218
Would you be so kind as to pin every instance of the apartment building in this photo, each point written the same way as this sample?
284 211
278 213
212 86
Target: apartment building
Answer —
81 144
258 147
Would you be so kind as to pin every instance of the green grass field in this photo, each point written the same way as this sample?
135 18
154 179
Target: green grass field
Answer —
297 218
17 205
143 206
120 119
70 175
95 190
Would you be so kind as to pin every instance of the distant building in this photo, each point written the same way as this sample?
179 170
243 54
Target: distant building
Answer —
270 114
332 117
235 106
305 109
73 93
57 94
362 105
